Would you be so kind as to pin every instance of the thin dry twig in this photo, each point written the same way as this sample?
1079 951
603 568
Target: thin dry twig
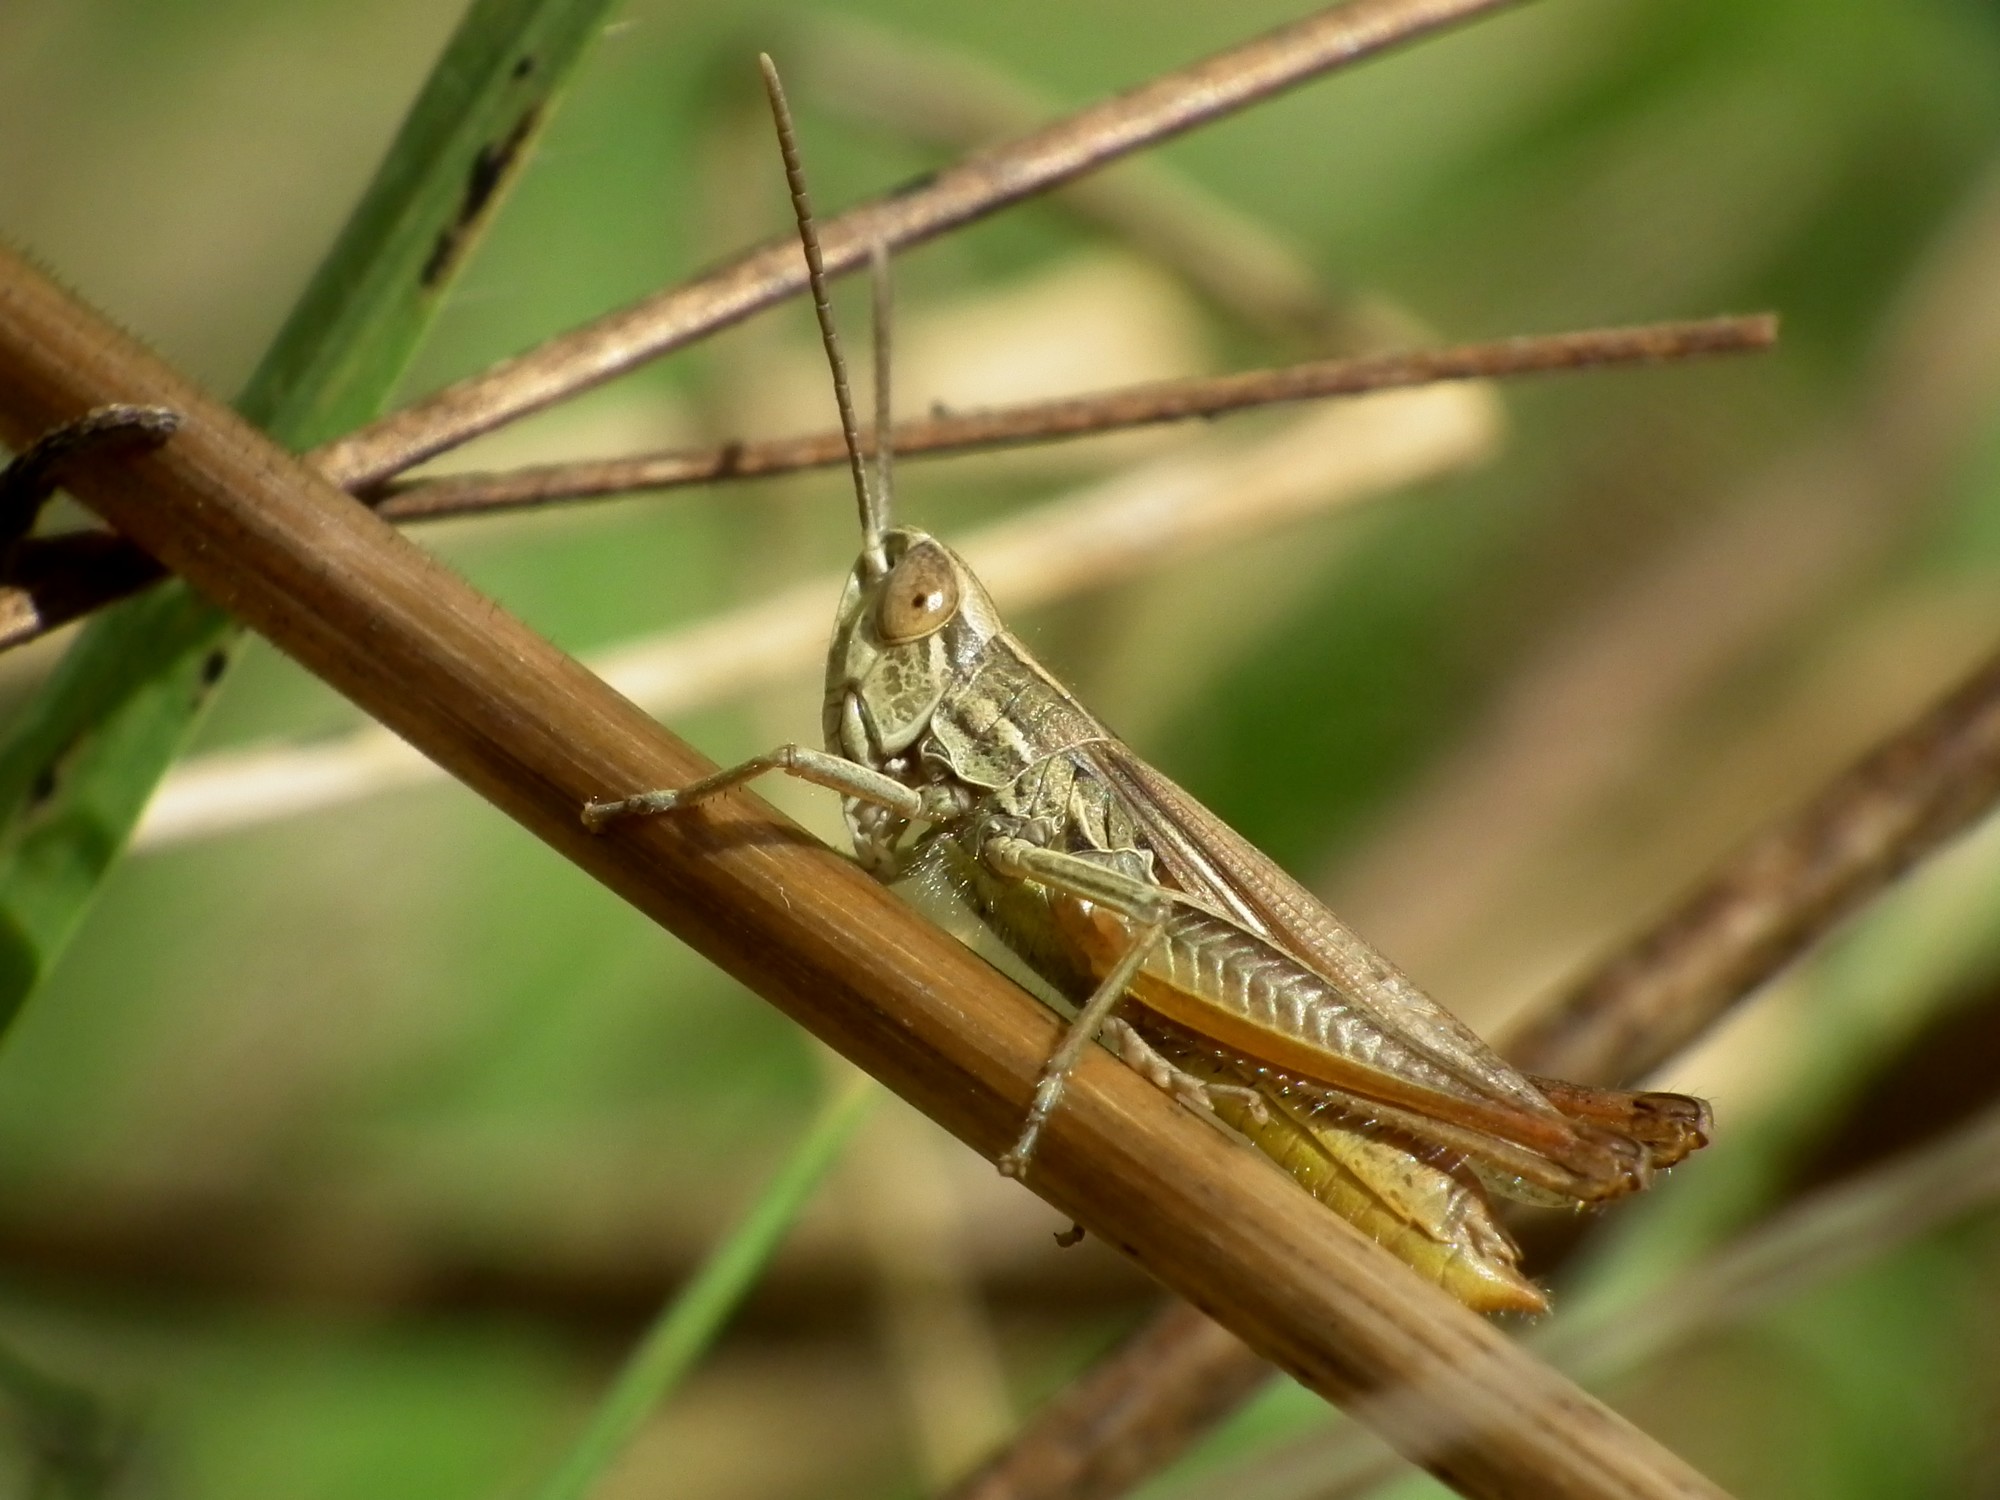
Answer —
61 578
1092 137
1742 926
1082 416
267 538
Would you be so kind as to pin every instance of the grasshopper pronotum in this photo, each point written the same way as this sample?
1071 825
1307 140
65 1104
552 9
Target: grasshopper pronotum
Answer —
1189 952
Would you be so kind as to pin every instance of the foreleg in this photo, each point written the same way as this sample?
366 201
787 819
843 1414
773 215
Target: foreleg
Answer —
849 778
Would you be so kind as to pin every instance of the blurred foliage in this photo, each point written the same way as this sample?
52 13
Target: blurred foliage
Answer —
344 1155
84 755
689 1323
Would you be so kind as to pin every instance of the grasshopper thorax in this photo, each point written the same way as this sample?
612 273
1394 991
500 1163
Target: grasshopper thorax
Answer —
904 634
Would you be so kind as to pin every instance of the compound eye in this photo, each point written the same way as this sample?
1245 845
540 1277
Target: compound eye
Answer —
920 597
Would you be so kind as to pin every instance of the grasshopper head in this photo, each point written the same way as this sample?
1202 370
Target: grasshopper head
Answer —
904 634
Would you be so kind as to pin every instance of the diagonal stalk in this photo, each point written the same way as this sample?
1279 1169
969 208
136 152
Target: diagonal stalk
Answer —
354 601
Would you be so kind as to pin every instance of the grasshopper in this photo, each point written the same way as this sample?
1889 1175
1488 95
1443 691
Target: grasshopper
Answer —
1192 955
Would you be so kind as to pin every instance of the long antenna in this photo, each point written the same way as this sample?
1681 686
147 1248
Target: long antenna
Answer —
878 283
850 429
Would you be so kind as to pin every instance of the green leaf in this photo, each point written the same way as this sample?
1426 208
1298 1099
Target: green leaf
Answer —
689 1322
79 766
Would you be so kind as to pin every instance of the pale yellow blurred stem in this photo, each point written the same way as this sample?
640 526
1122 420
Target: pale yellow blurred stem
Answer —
1202 497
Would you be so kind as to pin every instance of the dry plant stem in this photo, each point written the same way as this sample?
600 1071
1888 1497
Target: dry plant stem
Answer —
338 588
1082 416
1755 914
983 182
61 578
1779 893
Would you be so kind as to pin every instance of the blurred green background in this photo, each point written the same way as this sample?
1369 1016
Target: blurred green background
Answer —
348 1150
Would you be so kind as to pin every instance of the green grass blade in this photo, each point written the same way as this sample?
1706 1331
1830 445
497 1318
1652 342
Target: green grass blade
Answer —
339 355
77 769
691 1320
